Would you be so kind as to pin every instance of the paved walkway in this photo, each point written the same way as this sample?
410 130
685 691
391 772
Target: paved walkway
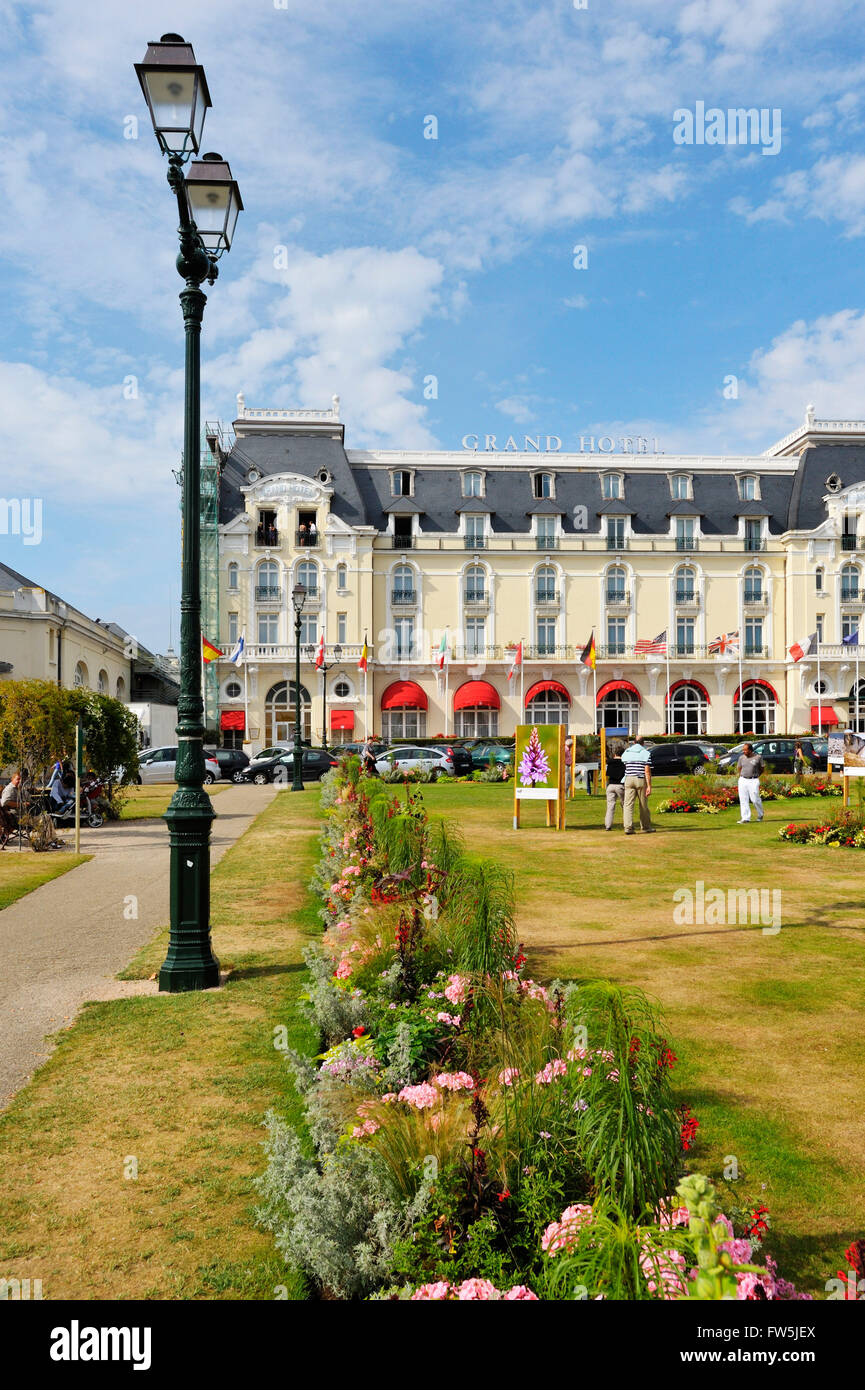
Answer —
62 944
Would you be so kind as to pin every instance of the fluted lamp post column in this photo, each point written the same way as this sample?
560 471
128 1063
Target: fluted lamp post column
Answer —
208 203
298 599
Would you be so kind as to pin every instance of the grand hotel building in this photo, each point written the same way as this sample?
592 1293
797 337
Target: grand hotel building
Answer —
495 546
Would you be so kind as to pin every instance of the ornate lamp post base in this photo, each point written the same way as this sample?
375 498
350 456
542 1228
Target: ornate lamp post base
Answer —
190 962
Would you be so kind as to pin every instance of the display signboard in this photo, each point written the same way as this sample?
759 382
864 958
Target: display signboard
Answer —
854 754
539 770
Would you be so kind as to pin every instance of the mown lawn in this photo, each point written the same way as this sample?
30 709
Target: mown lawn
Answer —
22 871
152 799
180 1085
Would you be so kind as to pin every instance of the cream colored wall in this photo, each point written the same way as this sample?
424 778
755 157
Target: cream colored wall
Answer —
25 642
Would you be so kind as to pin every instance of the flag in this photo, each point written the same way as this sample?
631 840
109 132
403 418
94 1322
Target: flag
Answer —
517 661
588 655
727 643
364 656
442 651
319 653
851 640
237 654
208 651
657 646
800 649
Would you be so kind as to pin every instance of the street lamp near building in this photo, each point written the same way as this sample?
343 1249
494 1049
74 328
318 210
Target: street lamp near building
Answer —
208 203
298 599
324 668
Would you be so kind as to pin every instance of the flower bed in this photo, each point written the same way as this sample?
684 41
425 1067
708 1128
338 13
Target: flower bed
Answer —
708 795
475 1134
846 829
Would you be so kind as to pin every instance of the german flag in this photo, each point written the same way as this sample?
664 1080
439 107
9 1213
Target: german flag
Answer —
208 651
588 655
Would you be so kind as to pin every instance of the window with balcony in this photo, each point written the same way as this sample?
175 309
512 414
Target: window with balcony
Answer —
615 533
404 638
341 628
545 636
850 584
545 585
686 582
266 532
476 636
403 533
268 629
819 623
680 487
545 532
475 584
233 628
267 581
849 625
307 575
685 533
753 534
753 585
403 591
473 485
685 636
543 485
615 637
611 485
615 584
308 629
475 532
753 637
307 530
400 482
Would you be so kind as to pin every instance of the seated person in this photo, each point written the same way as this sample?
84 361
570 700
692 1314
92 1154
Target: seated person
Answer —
62 798
9 803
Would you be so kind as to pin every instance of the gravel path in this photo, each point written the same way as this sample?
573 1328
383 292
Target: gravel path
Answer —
62 944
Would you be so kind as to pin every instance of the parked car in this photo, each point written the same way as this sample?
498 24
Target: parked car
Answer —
314 764
500 750
268 754
157 765
675 759
231 761
345 750
408 759
777 754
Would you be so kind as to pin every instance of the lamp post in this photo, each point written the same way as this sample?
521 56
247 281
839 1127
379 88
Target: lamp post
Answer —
324 668
298 599
208 202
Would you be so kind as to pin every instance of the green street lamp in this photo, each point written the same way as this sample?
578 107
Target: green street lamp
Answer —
324 668
298 599
208 203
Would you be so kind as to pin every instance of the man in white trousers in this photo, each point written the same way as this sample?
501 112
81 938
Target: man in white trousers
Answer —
749 766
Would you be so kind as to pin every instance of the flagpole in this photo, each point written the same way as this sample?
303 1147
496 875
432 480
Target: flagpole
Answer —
857 681
739 650
522 667
245 699
447 683
819 695
668 711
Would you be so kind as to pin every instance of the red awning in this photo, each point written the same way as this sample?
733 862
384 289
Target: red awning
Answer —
342 719
404 695
540 686
765 684
477 695
677 685
823 717
232 719
618 685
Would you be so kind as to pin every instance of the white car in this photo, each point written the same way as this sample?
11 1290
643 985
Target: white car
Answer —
413 759
157 765
273 751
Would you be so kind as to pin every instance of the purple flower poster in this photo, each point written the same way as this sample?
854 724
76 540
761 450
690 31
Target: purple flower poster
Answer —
538 765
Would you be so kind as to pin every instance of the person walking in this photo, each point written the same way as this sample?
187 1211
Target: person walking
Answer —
569 763
615 788
368 759
638 786
798 761
749 767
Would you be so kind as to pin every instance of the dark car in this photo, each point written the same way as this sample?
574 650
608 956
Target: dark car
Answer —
675 759
314 764
346 750
500 750
232 762
777 754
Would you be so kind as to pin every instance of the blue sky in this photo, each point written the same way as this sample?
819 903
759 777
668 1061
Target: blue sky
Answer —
406 256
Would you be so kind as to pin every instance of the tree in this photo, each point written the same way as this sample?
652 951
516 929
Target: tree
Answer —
37 725
110 735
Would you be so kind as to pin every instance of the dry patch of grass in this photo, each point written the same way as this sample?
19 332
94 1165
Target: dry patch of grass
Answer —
21 872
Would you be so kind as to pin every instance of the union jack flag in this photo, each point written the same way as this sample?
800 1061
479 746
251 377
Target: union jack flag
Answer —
657 646
728 642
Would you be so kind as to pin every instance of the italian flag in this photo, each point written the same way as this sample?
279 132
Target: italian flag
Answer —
208 651
800 649
364 656
443 650
517 661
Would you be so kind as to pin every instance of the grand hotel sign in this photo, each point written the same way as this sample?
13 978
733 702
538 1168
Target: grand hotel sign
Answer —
552 444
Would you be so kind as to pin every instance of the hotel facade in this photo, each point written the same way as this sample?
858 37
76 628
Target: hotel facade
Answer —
695 574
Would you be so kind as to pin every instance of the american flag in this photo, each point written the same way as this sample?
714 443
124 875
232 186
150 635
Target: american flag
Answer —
727 642
657 646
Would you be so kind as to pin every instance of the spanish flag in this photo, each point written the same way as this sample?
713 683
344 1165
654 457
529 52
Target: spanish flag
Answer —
588 655
208 651
364 656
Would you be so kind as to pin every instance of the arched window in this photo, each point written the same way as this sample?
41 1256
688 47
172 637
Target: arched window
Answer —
619 709
850 584
543 485
754 710
403 584
680 487
82 676
102 682
232 575
612 487
476 584
545 584
307 575
686 580
857 707
819 575
689 711
267 580
279 714
548 706
753 584
616 584
473 485
120 691
342 576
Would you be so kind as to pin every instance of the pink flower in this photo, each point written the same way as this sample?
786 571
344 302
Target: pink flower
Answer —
476 1289
671 1216
452 1019
455 989
553 1069
562 1235
435 1292
455 1081
343 970
508 1076
520 1292
666 1266
389 1096
422 1097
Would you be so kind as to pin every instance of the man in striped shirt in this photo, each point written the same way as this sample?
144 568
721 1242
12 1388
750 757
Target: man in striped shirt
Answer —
638 786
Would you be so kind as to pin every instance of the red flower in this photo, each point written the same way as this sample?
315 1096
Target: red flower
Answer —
358 1032
503 1196
690 1125
758 1226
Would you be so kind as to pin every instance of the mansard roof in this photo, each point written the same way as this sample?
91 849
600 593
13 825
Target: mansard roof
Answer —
306 454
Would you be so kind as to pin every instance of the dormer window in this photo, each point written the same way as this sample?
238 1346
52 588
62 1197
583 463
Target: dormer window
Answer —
749 488
401 482
611 484
543 485
680 487
473 485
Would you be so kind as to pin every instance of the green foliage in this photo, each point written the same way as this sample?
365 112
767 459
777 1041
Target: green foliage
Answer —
717 1272
479 911
615 1257
37 725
